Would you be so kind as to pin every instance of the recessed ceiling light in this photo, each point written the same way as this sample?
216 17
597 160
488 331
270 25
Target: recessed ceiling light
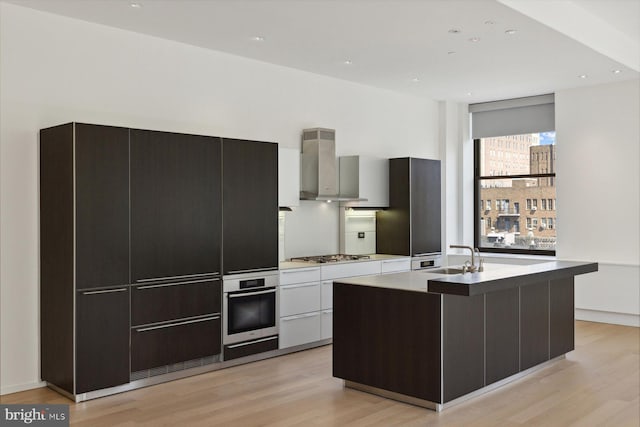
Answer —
616 71
455 31
511 32
489 22
135 5
583 76
474 39
469 93
451 52
348 62
415 79
257 38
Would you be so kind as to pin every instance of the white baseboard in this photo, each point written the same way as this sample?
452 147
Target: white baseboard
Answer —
21 387
608 317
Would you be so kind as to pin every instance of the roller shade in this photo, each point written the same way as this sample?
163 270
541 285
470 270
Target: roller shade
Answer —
513 116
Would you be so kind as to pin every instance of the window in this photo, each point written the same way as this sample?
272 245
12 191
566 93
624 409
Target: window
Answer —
514 145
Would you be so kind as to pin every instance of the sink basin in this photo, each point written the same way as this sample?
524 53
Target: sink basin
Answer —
447 270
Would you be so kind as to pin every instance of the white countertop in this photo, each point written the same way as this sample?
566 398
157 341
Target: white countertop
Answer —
285 265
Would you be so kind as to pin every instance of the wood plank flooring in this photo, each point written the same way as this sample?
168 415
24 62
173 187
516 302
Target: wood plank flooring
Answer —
597 385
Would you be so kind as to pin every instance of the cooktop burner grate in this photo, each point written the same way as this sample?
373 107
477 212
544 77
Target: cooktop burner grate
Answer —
322 259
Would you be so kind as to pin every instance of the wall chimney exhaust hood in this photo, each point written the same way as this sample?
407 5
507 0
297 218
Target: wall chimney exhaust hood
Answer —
318 168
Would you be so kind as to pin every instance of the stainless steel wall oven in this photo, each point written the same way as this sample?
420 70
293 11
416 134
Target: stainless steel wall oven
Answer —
250 309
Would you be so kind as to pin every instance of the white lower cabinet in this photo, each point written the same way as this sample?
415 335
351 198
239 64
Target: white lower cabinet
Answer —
300 329
306 297
299 298
396 265
326 294
326 324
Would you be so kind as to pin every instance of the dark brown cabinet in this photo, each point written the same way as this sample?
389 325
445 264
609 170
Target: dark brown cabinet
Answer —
131 247
502 329
175 205
412 224
250 206
102 331
462 345
84 250
173 342
102 206
561 317
386 339
169 301
534 324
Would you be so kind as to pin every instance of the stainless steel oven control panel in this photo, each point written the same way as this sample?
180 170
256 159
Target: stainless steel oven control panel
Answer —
239 282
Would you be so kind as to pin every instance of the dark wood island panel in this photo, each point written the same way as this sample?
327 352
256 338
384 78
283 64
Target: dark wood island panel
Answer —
397 337
387 339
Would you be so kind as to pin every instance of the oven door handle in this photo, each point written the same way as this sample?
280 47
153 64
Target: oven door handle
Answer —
247 294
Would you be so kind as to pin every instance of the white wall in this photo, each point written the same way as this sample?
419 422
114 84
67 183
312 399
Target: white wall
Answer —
598 191
55 70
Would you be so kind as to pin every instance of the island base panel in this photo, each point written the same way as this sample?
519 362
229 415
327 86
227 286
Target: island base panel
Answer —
442 406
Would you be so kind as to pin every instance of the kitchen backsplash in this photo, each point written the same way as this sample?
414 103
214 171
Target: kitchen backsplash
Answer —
357 232
310 229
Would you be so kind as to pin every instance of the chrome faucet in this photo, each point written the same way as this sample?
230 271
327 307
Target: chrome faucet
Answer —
470 268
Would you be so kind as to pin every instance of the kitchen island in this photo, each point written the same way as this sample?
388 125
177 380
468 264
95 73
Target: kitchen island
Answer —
435 339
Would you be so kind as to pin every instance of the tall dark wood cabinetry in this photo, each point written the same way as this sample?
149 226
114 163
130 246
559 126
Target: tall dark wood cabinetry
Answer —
131 248
250 206
175 205
412 224
84 247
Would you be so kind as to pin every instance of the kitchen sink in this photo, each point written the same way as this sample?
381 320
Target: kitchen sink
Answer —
446 270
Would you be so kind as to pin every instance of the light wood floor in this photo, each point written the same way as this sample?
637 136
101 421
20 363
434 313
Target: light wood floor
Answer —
597 385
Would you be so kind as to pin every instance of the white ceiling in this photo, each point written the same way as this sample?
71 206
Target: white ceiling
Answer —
391 43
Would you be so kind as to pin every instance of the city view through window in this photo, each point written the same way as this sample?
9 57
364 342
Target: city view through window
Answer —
517 193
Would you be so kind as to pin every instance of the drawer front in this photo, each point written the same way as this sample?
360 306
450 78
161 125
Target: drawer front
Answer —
300 298
326 324
164 302
396 265
300 329
168 343
326 297
350 269
234 351
299 275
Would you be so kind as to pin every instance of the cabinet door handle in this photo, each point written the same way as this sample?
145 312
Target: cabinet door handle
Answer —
247 294
171 325
302 285
184 276
299 270
327 311
164 285
252 270
109 291
389 261
327 282
299 316
252 342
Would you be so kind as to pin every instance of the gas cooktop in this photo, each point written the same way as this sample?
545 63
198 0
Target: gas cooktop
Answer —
322 259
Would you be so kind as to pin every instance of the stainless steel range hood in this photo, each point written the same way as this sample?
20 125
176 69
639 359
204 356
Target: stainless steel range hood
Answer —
318 168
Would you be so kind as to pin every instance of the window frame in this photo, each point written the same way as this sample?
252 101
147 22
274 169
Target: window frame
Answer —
476 206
